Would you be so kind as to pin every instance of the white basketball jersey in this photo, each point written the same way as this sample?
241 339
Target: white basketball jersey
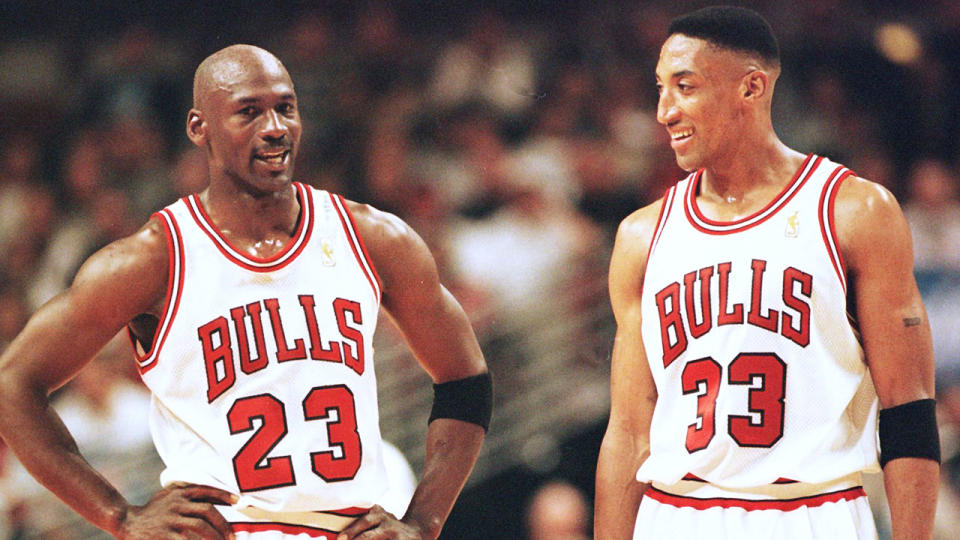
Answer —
262 369
760 375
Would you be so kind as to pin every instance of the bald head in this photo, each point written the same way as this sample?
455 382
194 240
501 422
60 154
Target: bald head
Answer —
232 65
245 115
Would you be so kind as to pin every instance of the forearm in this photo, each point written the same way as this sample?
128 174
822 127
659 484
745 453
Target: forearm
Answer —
452 450
911 485
618 493
35 433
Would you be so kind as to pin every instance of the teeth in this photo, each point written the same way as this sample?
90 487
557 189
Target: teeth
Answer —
274 158
681 134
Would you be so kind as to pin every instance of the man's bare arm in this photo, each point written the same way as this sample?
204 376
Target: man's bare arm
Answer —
633 393
442 339
877 250
121 281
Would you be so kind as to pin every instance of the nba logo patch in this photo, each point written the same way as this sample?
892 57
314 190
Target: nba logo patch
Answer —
326 253
793 226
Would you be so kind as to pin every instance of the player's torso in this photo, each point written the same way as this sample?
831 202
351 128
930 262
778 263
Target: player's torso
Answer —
262 369
759 373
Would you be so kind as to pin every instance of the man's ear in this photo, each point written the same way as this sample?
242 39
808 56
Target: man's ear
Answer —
196 128
755 85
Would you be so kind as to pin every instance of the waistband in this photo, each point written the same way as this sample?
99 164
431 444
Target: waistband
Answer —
315 524
779 496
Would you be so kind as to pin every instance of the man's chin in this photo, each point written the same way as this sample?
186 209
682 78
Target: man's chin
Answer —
687 164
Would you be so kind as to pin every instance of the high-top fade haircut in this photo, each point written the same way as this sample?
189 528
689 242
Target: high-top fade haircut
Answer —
730 27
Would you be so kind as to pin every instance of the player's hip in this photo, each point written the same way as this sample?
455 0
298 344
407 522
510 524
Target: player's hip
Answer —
252 522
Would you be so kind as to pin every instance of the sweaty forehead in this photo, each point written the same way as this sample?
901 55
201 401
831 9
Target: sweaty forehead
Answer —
232 70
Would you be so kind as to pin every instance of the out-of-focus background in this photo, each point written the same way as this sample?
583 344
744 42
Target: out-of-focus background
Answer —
512 135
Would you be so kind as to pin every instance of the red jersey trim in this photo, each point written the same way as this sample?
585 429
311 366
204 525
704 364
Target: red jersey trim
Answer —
312 532
785 505
258 264
356 244
709 226
827 224
662 217
294 529
694 478
175 265
353 511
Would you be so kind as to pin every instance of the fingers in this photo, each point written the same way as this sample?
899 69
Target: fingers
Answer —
207 494
372 519
187 509
208 514
207 517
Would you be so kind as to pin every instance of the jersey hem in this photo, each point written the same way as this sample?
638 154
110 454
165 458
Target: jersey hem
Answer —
750 505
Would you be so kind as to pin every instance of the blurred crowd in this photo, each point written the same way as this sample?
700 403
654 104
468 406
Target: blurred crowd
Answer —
512 136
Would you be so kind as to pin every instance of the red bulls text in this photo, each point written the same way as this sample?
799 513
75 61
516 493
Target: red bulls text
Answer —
688 309
223 356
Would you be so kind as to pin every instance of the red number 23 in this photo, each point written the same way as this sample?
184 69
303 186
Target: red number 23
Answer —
255 471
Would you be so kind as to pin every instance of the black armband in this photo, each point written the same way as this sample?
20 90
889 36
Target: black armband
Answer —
909 430
469 399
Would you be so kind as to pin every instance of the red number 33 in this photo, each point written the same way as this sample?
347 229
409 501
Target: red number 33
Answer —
255 471
703 377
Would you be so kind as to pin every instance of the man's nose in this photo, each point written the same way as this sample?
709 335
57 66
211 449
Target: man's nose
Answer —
666 109
274 128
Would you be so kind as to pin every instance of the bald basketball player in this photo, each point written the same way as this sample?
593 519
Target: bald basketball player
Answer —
251 307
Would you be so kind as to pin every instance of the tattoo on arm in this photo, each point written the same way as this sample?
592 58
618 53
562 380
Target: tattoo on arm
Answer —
912 321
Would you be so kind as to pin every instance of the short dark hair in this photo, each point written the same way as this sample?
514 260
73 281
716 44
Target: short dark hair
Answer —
730 27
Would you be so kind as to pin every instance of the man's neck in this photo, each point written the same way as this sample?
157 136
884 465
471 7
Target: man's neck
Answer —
749 179
259 224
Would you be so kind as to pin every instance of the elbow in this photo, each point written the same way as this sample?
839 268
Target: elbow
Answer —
15 384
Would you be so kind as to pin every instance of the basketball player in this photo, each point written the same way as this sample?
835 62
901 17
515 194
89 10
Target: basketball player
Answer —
252 307
744 400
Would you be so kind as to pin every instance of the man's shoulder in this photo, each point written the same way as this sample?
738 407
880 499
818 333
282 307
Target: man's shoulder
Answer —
642 223
145 252
863 203
373 222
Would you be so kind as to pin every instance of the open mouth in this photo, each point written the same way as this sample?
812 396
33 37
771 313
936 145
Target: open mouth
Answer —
681 135
276 158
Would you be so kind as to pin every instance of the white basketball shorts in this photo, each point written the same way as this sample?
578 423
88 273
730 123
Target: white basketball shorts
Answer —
790 511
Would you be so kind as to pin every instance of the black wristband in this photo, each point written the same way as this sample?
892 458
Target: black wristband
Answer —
469 399
909 430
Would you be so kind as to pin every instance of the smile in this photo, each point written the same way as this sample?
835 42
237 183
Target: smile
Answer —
682 134
275 158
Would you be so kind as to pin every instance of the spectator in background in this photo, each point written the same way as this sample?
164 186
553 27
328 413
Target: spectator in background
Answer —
98 214
488 64
948 508
558 511
933 210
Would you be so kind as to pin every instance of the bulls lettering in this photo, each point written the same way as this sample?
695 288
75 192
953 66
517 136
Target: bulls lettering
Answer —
226 341
702 310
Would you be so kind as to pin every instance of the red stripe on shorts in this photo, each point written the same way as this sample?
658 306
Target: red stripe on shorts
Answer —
285 528
750 504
